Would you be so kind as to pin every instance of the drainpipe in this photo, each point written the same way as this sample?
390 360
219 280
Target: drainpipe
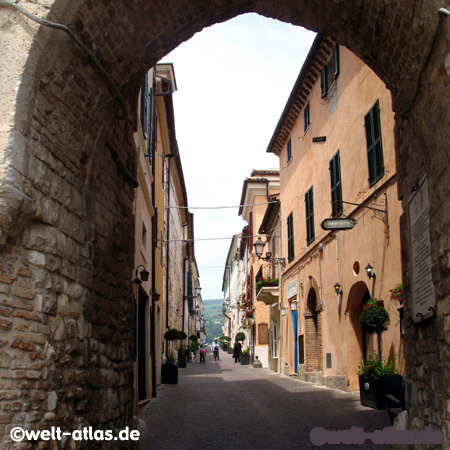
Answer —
169 157
320 273
153 272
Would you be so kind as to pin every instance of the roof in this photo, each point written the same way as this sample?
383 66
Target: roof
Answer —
318 56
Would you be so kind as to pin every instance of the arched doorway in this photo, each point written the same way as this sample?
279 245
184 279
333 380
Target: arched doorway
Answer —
313 334
356 338
67 168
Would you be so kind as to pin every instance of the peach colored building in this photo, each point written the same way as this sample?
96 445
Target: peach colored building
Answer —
335 142
257 192
163 236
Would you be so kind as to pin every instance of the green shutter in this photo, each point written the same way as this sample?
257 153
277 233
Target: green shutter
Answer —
324 81
190 295
290 227
144 106
309 204
336 185
375 161
336 61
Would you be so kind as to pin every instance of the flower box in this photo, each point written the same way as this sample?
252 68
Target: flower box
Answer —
169 374
373 391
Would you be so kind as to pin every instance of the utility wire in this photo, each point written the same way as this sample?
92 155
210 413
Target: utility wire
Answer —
219 207
215 239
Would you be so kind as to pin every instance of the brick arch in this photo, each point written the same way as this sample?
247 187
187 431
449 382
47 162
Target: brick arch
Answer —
313 329
67 163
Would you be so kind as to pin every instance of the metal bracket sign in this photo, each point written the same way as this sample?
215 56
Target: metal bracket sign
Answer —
346 223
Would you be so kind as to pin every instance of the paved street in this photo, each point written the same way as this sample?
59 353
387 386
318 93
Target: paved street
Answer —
230 406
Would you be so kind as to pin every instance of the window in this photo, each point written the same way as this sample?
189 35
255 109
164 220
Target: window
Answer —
307 117
329 72
144 106
336 186
374 146
289 150
273 341
290 232
309 202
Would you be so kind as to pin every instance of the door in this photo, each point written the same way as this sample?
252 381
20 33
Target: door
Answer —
141 347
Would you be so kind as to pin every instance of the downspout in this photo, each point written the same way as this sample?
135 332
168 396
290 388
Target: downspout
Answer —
320 247
184 292
153 270
169 157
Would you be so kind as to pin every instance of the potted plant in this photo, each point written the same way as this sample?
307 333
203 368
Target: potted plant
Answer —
397 294
182 360
169 369
245 356
240 337
374 319
378 378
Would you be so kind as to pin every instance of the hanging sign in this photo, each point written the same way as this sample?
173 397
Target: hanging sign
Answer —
345 223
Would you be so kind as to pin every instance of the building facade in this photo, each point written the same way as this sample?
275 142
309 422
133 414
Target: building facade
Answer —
335 142
258 190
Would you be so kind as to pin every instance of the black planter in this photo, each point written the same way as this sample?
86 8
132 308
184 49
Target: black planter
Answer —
182 361
169 374
230 351
245 359
373 391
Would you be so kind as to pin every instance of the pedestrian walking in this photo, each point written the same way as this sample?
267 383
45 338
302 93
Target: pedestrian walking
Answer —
202 354
215 349
237 349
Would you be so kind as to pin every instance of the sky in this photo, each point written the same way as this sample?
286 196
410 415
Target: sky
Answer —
233 81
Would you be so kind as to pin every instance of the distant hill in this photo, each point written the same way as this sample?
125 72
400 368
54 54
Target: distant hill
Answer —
214 322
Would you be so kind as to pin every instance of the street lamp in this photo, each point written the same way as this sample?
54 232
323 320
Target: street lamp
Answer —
370 272
337 288
143 275
259 247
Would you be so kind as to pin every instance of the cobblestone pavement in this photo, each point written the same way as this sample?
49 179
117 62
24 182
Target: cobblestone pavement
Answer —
230 406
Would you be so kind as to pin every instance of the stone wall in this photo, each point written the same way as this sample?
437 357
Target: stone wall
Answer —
66 185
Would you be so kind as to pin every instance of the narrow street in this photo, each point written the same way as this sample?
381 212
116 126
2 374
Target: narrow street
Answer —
230 406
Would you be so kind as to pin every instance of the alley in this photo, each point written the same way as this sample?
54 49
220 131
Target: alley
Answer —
230 406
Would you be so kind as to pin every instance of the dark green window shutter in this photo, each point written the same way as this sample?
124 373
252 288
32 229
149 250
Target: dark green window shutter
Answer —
375 161
324 81
289 150
290 232
190 295
309 204
336 61
144 106
336 185
307 117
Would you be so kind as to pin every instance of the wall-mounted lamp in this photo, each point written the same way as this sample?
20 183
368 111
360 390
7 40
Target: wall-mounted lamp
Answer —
370 272
337 288
143 275
259 247
198 291
283 311
155 295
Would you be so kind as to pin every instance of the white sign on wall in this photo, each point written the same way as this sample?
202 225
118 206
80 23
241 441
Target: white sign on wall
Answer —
422 288
292 289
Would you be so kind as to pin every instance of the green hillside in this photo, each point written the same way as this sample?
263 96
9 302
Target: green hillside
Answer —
214 322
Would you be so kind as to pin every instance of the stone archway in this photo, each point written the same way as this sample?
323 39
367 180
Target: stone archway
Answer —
67 166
